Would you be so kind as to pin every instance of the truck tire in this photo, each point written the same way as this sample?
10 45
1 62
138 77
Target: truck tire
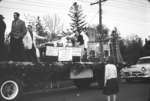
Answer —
10 89
82 83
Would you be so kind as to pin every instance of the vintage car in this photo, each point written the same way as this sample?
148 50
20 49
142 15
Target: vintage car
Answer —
141 70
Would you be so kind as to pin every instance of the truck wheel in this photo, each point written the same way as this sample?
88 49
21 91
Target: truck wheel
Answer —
82 83
10 89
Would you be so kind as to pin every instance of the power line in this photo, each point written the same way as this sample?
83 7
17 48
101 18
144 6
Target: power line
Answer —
126 9
32 4
14 8
37 2
94 16
25 4
42 3
125 20
128 4
84 1
124 16
132 2
123 10
141 4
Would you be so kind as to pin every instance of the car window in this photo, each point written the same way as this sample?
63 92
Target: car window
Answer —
140 61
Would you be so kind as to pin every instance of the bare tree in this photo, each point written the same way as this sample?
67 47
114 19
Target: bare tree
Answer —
53 24
49 24
31 20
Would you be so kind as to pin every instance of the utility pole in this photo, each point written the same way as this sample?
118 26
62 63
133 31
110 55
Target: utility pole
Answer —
100 25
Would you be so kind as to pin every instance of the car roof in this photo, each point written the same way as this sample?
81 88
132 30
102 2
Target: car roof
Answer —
145 57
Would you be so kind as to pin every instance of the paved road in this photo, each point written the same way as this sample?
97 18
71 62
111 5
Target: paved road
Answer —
128 92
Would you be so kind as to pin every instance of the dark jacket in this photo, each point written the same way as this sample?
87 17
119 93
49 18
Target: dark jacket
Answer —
2 31
18 29
80 40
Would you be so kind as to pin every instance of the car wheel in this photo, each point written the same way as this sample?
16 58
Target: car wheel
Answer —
10 89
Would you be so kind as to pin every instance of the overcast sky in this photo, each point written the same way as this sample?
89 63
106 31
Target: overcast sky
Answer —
129 16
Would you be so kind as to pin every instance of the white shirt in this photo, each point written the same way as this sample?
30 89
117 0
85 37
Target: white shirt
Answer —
36 36
63 40
110 72
85 38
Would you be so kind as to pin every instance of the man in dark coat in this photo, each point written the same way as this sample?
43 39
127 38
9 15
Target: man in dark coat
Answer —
2 36
18 31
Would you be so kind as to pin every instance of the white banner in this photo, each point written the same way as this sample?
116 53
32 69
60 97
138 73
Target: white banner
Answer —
76 51
65 54
51 51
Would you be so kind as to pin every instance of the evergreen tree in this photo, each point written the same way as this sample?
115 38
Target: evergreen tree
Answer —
77 17
40 31
39 27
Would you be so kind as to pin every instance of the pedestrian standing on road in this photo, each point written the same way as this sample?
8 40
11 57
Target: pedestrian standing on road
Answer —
18 31
2 36
111 87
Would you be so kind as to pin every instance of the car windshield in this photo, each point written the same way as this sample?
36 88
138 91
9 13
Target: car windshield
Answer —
140 61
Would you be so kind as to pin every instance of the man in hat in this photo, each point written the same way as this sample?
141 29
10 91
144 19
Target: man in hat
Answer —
18 31
2 34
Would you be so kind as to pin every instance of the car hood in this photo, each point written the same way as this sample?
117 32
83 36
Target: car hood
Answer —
137 67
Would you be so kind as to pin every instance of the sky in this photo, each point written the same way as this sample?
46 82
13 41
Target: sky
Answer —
129 16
